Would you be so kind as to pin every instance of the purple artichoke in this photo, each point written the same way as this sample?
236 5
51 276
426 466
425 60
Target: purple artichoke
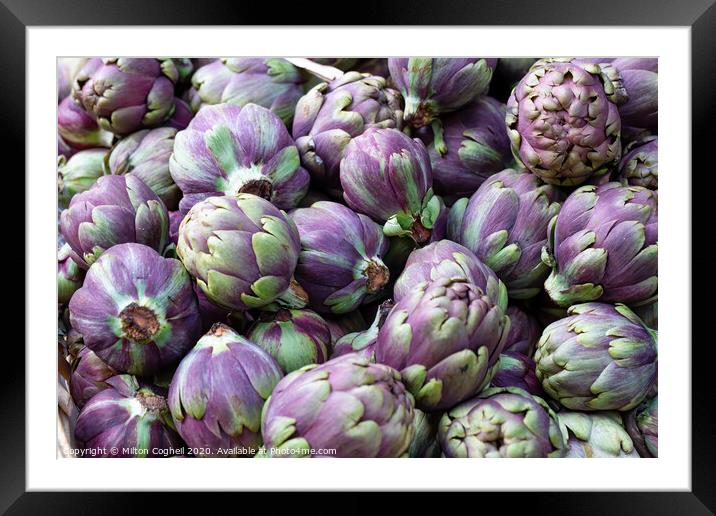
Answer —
604 246
597 435
272 83
218 391
642 423
69 275
227 150
295 338
505 224
126 94
78 173
524 333
89 376
242 250
115 210
341 259
363 342
640 164
476 146
347 405
145 154
563 121
446 259
344 324
502 422
600 357
434 86
209 312
129 419
136 310
331 114
445 338
78 128
386 175
517 370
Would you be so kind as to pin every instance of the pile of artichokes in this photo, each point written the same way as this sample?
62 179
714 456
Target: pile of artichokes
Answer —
404 257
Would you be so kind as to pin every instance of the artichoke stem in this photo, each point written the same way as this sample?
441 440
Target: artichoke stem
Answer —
420 233
377 275
260 187
139 323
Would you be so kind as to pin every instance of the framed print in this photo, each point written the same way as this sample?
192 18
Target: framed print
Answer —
279 241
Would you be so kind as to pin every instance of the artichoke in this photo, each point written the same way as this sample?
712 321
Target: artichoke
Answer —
597 435
517 370
600 357
425 436
115 210
145 154
217 393
525 331
272 83
347 405
445 338
386 175
604 246
502 422
642 423
341 259
331 114
89 376
129 419
126 94
136 310
446 259
78 128
69 275
242 250
505 224
640 164
363 342
227 150
295 338
563 121
434 86
344 324
476 146
78 173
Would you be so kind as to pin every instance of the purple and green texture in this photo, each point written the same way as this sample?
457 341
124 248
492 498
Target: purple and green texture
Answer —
78 173
69 275
295 338
363 342
640 164
600 357
476 146
242 251
347 404
597 435
563 121
502 422
127 94
386 175
78 129
272 83
505 224
449 260
604 246
331 114
341 259
517 370
425 436
218 391
434 86
89 376
136 310
642 423
128 419
115 210
525 331
145 154
445 338
228 150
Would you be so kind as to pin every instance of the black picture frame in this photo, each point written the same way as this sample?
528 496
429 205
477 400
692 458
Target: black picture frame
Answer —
16 15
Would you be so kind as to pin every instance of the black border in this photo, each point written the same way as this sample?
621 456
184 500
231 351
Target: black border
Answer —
16 15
